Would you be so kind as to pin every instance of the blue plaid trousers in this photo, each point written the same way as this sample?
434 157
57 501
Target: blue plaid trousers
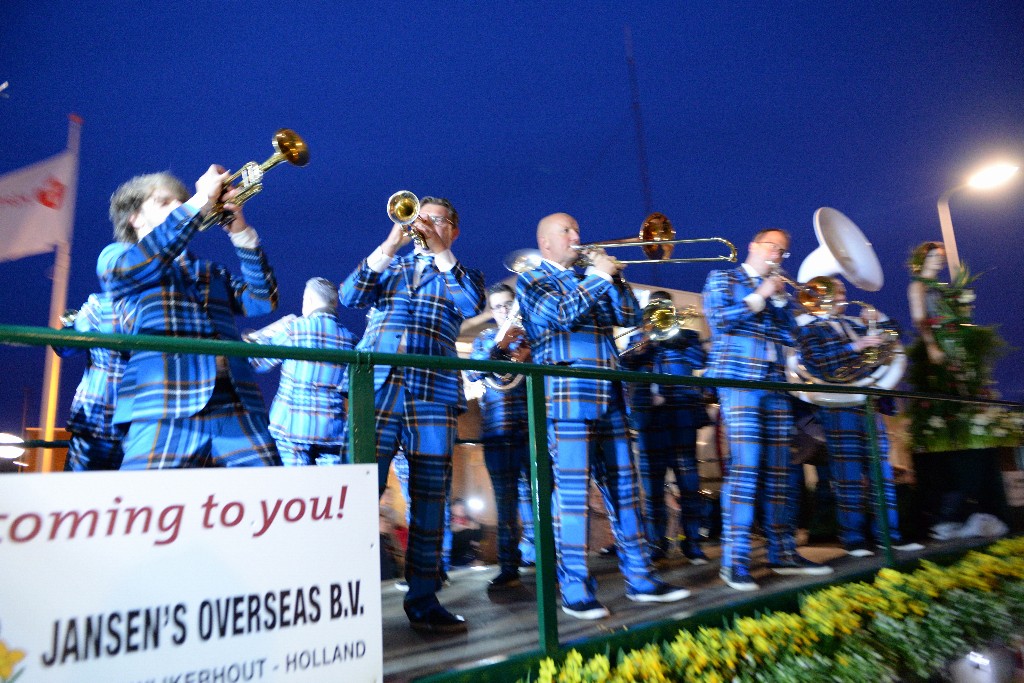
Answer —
667 440
599 449
758 424
849 456
508 461
426 432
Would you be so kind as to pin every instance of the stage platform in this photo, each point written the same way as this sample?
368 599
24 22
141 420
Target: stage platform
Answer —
502 624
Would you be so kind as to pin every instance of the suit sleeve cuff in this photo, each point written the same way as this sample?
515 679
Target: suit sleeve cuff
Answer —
445 260
246 239
378 261
755 302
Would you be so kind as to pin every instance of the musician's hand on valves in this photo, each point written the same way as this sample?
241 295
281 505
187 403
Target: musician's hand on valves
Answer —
867 341
870 315
770 286
511 336
438 235
209 188
395 240
237 222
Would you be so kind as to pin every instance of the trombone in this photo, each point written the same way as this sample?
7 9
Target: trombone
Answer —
288 145
818 296
657 239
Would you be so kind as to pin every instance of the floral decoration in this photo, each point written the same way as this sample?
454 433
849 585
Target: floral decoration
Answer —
900 627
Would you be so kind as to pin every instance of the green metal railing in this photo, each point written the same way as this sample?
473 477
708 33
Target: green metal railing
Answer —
362 449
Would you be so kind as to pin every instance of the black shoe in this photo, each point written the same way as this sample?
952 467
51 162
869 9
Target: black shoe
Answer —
694 554
507 578
794 564
738 578
662 592
608 551
658 554
435 619
586 609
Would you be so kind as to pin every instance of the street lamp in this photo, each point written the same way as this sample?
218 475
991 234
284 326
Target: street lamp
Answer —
985 179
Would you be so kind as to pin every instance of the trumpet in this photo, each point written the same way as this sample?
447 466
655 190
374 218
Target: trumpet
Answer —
657 240
289 147
817 296
404 209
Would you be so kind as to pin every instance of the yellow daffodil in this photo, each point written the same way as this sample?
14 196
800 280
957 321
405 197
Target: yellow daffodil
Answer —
8 660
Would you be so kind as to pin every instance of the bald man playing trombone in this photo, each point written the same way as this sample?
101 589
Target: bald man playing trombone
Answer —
569 320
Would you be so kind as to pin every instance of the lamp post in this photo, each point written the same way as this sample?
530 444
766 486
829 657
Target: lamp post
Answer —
985 179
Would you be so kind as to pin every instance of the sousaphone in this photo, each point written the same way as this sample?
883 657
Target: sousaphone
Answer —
844 250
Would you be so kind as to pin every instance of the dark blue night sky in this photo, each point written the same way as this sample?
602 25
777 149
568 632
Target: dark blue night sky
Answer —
754 116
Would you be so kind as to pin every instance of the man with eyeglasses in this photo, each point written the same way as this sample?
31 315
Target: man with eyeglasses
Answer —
752 324
504 431
418 302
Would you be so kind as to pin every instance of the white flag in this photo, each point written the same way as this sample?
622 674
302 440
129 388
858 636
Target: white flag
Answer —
37 206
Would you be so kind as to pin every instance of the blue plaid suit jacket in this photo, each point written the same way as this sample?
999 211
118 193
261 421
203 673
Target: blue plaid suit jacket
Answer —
680 355
824 350
174 294
92 408
309 406
429 316
502 413
569 321
740 339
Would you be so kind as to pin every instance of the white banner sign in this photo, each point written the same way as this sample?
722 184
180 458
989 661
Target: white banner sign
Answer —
35 209
191 576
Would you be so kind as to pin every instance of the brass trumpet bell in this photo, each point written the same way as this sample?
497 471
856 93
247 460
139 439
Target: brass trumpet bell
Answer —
288 145
403 207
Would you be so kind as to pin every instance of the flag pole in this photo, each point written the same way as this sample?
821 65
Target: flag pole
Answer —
59 301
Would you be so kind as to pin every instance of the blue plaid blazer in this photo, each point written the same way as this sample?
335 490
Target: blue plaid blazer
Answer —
428 316
680 355
825 350
174 294
92 408
741 339
502 413
309 406
569 320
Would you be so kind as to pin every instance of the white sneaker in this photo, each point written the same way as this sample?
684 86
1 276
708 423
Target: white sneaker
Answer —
860 552
587 609
908 547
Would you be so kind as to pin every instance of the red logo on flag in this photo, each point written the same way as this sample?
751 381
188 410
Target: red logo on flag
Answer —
51 194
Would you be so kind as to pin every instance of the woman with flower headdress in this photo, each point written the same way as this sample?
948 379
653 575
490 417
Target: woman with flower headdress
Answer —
952 355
